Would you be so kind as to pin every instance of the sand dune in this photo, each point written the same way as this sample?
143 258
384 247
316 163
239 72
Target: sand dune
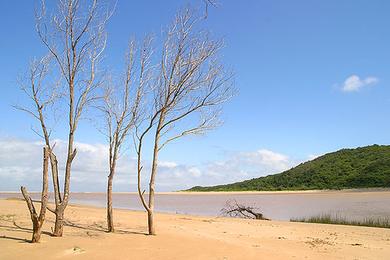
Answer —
184 237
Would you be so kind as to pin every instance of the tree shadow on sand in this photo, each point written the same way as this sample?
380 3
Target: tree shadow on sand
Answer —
21 240
100 228
15 227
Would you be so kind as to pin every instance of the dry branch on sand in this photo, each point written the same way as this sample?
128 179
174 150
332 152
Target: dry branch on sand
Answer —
237 210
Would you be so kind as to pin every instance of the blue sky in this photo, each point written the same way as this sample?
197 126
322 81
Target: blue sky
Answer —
312 78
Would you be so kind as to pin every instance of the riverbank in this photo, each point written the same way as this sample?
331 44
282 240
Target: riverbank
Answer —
186 192
184 237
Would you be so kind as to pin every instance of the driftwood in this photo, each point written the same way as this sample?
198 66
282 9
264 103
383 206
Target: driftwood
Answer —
237 210
38 220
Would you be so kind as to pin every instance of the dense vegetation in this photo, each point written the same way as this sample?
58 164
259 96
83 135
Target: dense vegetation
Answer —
364 167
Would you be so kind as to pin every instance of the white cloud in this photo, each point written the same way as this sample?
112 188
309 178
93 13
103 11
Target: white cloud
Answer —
313 156
267 158
21 164
355 83
167 164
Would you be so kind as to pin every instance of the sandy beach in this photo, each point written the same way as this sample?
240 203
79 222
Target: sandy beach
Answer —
184 237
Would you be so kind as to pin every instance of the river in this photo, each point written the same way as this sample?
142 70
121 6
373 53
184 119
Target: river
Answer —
276 206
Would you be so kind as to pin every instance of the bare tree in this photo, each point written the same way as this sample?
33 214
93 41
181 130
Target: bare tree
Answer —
38 220
190 87
75 37
42 97
238 210
122 107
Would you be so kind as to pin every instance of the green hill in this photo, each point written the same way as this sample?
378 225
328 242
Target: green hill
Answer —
363 167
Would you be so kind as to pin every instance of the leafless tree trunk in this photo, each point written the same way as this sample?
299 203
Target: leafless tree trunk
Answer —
38 220
110 217
190 87
75 38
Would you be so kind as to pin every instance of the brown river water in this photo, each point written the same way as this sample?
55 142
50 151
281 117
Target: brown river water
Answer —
276 206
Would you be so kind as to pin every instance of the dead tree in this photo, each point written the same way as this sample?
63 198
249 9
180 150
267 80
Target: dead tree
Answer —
237 210
38 220
42 95
75 38
190 87
121 109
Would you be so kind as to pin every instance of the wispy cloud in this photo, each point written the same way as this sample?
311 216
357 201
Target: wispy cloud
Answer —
21 164
354 83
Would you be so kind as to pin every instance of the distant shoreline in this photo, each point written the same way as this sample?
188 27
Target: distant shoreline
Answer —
361 190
